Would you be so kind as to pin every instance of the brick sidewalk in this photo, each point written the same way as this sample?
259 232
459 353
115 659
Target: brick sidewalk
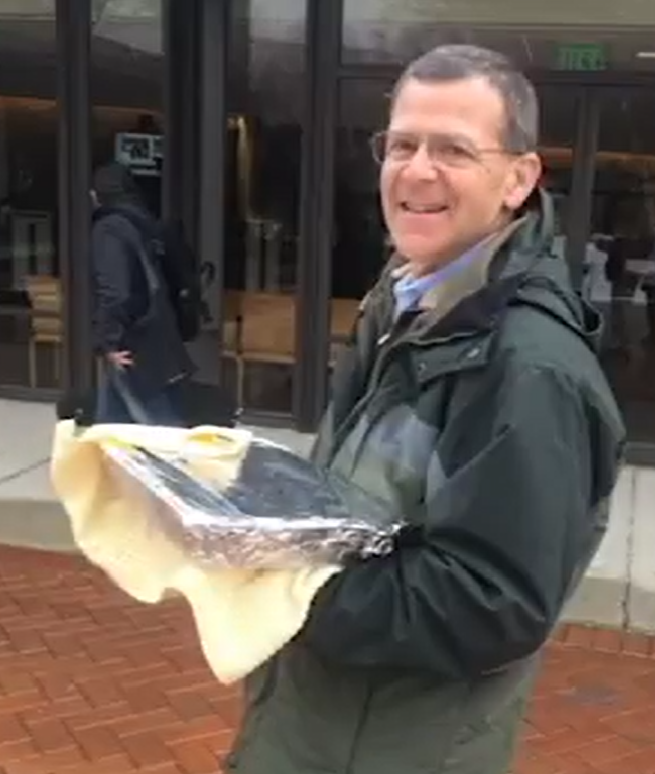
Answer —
93 683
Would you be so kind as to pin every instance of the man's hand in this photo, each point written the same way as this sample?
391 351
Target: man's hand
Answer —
121 360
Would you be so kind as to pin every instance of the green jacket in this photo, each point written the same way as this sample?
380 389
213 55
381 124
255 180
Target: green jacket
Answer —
484 419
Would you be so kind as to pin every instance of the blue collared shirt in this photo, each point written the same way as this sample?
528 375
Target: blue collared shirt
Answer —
409 290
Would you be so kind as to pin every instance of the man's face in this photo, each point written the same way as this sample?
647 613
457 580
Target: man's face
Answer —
446 182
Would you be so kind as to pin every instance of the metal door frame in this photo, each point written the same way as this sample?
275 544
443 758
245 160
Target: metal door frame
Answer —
323 51
73 25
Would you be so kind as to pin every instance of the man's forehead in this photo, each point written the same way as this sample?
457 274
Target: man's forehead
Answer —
468 101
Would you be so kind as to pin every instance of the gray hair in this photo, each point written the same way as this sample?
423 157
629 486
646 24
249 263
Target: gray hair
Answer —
459 62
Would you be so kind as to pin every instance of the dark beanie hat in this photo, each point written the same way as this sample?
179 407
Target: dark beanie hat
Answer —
113 183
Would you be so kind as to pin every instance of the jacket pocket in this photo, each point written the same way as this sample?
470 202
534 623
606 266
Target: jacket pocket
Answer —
491 722
492 740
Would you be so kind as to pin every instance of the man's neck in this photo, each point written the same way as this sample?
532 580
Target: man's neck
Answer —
422 269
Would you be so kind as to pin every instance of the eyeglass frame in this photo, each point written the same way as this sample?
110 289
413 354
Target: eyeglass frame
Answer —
470 156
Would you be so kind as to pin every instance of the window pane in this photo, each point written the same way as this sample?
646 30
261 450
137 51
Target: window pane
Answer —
533 34
360 242
559 117
621 261
30 293
126 90
263 186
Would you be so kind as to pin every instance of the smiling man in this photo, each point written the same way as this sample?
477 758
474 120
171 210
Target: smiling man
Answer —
471 402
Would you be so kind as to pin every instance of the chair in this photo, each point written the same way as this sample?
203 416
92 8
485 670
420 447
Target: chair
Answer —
267 332
47 325
260 327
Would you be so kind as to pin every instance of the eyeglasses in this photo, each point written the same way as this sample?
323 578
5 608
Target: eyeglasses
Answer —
442 150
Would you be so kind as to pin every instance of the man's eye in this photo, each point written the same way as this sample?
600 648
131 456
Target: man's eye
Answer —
401 146
453 151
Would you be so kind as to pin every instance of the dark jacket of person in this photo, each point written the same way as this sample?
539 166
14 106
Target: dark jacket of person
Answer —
132 310
484 420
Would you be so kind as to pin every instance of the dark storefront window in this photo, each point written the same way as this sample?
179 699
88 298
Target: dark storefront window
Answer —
559 106
30 294
583 35
263 153
621 257
127 90
359 250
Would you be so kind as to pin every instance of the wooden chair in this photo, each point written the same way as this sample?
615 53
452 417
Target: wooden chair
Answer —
47 325
260 327
267 332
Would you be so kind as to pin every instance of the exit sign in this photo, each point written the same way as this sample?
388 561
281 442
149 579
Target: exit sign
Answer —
582 57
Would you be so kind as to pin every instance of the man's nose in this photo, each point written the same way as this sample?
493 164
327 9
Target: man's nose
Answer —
421 166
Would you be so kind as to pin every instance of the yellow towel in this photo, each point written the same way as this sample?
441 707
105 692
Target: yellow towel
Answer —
243 616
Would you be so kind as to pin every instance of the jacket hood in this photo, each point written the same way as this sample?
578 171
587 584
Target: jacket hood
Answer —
539 276
114 184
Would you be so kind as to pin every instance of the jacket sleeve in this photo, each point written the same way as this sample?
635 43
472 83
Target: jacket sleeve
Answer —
112 281
507 535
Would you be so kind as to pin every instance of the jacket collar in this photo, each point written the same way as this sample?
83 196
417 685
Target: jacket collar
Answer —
472 277
473 300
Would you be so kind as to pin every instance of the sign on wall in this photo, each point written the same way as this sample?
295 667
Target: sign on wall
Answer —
142 153
582 57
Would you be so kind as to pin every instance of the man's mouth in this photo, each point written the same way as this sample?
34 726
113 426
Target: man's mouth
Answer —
417 208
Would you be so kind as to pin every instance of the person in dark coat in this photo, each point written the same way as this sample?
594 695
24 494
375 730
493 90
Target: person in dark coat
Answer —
136 335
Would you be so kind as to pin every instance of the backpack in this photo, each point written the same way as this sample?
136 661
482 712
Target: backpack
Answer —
179 270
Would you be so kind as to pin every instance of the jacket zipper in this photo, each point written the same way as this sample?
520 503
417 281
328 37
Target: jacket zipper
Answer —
385 340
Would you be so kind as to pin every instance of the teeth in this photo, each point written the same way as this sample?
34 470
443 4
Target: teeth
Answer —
421 208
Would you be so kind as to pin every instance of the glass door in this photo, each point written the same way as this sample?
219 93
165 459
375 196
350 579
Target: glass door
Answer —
560 111
621 253
262 187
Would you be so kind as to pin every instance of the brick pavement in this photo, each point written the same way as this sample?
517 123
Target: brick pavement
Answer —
93 683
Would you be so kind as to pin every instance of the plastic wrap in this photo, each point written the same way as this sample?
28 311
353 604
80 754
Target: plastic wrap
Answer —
277 511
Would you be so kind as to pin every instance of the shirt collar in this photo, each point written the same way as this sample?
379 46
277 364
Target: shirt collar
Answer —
408 289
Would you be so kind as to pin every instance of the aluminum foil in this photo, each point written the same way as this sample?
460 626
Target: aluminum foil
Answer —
279 512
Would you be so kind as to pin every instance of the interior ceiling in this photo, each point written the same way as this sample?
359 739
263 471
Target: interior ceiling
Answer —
565 13
531 47
539 47
129 53
383 42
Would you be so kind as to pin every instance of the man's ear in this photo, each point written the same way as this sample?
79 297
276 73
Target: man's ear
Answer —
526 173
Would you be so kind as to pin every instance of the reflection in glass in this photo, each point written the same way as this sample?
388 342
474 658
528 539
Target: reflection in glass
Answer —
262 200
30 293
584 35
360 248
126 89
623 267
558 111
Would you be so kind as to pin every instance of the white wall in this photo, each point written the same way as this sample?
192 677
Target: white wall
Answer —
619 589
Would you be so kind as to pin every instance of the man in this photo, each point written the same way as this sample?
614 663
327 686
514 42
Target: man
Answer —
137 337
472 403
